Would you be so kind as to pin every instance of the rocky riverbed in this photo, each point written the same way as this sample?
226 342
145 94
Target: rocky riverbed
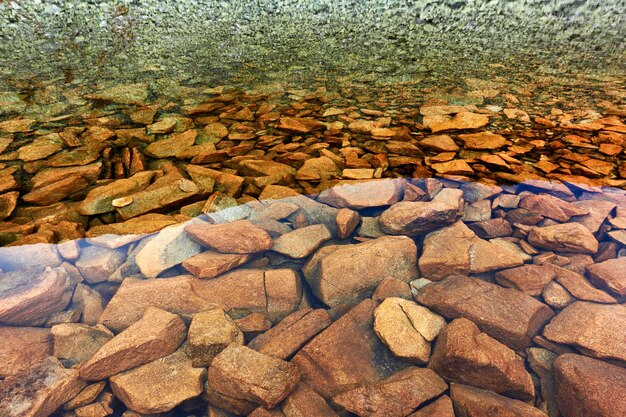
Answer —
185 250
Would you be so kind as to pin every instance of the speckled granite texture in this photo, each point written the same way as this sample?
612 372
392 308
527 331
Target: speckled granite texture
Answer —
202 37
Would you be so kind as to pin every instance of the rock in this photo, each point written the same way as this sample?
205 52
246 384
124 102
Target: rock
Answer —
598 213
474 402
90 304
341 274
551 207
234 237
159 386
347 354
299 124
567 237
483 140
211 332
541 362
177 145
17 125
347 220
556 296
134 296
492 228
87 396
578 286
56 191
362 194
40 148
318 169
455 167
211 264
156 334
417 217
392 287
123 94
588 387
358 173
531 279
29 296
440 143
76 343
302 242
96 264
40 391
166 249
243 373
8 202
465 355
508 315
275 171
303 401
100 199
595 329
442 407
457 250
609 275
291 333
407 328
22 348
395 396
462 120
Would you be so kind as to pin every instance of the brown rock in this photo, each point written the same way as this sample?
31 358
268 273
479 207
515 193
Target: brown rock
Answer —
40 148
416 218
75 343
159 386
346 354
291 333
595 329
16 125
598 213
40 391
318 169
301 242
465 355
56 191
8 202
483 140
243 373
556 296
299 124
392 287
357 195
342 274
531 279
395 396
210 264
176 145
455 167
211 332
579 286
235 237
442 407
88 395
31 295
457 250
22 348
474 402
462 120
100 199
567 237
89 302
304 402
610 274
551 207
156 334
588 387
440 143
96 264
347 220
124 94
407 328
541 362
508 315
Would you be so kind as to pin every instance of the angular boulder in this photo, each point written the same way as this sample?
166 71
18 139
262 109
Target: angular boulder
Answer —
475 402
240 237
211 332
567 237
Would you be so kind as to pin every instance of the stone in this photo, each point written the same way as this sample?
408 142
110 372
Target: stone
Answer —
407 328
89 302
610 275
556 296
243 373
302 242
347 354
303 401
462 120
577 285
39 391
56 191
357 195
22 348
475 402
28 297
159 386
442 407
598 212
318 169
482 140
8 202
587 387
17 125
40 148
505 314
96 264
456 249
392 287
597 330
211 332
88 395
358 173
567 237
277 172
468 356
414 218
240 237
211 264
166 249
551 207
156 334
440 143
177 145
455 167
299 124
395 396
100 199
531 279
291 333
541 362
123 94
341 274
347 220
76 343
